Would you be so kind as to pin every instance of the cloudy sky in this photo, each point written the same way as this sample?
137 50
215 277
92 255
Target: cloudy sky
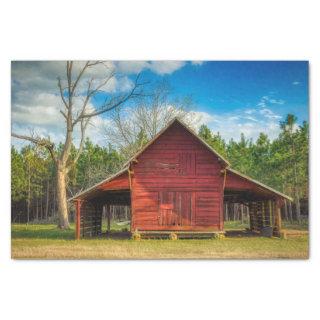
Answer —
230 97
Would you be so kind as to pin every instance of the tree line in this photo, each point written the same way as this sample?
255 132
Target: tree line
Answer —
281 163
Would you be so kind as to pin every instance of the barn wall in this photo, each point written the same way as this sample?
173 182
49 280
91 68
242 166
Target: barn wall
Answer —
90 219
177 185
118 183
236 182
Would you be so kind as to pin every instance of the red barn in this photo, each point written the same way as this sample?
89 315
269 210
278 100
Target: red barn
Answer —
177 183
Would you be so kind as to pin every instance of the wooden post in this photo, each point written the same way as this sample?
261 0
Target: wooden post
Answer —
258 214
108 218
290 211
251 215
277 221
78 217
263 215
285 210
270 213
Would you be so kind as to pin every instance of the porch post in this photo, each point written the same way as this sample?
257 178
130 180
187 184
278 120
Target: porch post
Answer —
108 218
251 215
277 220
78 217
270 213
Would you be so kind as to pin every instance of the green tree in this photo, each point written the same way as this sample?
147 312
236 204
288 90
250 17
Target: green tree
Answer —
19 180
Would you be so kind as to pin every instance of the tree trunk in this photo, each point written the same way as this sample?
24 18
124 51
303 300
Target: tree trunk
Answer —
47 201
62 198
54 201
298 210
29 195
37 209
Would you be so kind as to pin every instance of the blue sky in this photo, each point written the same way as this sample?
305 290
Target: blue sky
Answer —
229 96
222 87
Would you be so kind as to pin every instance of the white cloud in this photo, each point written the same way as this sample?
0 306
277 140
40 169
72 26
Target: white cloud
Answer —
276 101
250 118
269 114
41 116
158 67
231 125
36 101
197 62
295 83
131 67
249 111
165 67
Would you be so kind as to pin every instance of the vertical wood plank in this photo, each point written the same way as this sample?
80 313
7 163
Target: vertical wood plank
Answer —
108 218
270 212
277 219
78 217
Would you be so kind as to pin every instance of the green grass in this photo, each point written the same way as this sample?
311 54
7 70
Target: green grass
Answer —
302 225
48 242
235 225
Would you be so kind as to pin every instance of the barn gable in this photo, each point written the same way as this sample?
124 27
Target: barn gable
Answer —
193 134
177 183
116 181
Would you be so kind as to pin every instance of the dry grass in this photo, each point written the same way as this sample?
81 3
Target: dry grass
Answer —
44 242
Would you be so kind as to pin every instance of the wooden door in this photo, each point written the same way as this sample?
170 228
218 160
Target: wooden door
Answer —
175 208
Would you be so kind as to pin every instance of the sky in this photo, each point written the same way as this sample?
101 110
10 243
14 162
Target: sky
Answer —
231 97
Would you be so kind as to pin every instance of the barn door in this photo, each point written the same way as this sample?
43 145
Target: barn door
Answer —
175 208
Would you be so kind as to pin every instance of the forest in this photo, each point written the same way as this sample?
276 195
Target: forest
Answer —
281 163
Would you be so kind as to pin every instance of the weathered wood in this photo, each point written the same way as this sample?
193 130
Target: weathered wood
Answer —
270 212
251 216
285 210
177 183
108 218
277 229
177 165
78 215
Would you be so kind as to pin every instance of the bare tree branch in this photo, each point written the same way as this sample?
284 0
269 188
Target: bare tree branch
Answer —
42 142
115 102
61 93
64 115
89 94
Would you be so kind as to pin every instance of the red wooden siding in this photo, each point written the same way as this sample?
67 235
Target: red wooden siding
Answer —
118 183
235 182
177 184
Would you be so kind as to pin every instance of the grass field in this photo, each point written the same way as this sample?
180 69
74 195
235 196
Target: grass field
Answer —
40 241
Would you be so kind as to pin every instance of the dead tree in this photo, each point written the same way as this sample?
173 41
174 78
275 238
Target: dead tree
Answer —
74 86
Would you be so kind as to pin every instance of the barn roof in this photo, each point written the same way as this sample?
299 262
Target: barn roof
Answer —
82 193
264 186
176 120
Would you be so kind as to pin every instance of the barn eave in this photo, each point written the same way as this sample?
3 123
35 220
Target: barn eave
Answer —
109 179
264 186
